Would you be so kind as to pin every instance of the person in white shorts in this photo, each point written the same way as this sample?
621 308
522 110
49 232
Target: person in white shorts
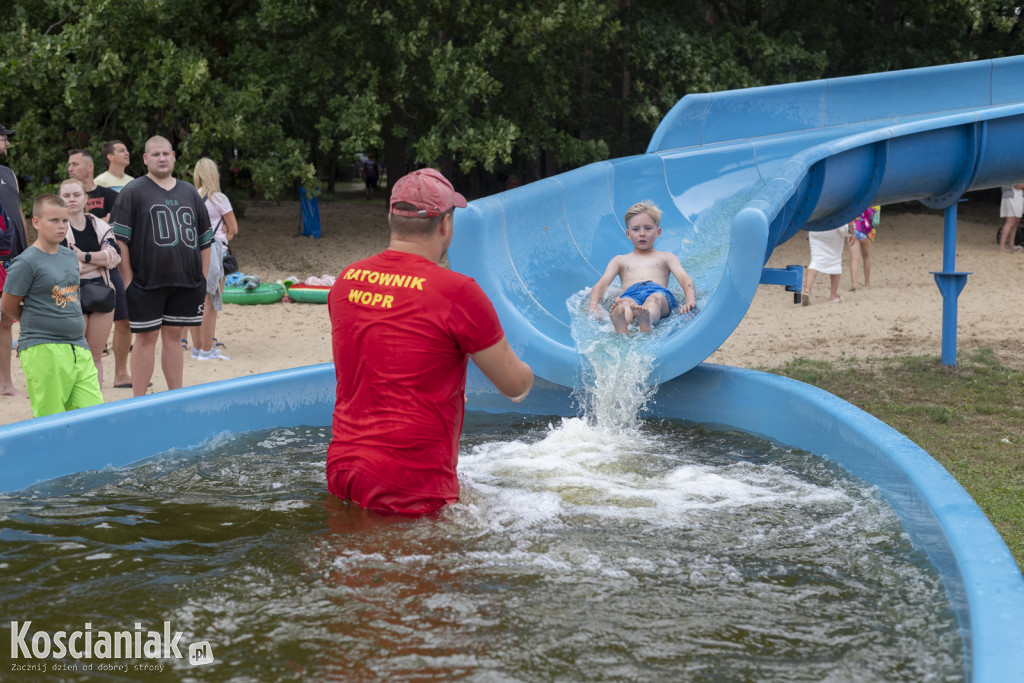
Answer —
826 257
1011 209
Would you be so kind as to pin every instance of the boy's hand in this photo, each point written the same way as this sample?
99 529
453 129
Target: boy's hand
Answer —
687 307
596 311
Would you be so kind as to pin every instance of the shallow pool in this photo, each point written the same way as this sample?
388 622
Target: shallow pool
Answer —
661 551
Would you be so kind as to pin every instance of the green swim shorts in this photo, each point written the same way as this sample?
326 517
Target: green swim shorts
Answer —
59 377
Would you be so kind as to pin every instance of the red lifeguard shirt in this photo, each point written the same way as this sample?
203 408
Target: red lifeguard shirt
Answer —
402 330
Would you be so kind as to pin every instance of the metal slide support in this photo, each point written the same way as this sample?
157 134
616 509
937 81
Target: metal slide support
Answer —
790 276
950 283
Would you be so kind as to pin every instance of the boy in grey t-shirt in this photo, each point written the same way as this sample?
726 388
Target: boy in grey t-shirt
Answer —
42 292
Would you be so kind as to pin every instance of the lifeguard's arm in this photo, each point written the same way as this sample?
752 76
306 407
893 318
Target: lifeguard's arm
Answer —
10 308
610 273
125 266
685 281
500 364
230 225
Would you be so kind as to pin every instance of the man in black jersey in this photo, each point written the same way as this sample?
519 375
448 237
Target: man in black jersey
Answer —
166 236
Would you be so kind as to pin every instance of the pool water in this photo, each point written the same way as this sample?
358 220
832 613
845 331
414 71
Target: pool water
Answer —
649 551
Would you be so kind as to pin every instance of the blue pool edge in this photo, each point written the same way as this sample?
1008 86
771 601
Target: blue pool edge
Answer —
985 585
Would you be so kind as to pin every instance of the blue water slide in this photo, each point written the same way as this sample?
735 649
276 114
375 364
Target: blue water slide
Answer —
737 173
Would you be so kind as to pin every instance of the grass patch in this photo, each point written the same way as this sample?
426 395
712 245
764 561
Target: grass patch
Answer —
969 418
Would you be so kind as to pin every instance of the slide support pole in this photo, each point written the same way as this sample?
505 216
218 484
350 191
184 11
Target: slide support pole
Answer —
950 284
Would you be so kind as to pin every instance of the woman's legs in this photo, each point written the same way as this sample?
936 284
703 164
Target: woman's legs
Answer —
97 330
865 249
805 296
834 294
855 257
1006 236
206 330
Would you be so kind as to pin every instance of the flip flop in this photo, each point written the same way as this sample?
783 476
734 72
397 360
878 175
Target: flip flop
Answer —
127 386
837 301
805 298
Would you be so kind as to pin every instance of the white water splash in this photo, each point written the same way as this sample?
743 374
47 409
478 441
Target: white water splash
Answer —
617 367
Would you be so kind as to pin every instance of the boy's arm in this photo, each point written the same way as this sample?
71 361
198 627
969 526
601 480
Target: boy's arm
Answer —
602 285
10 307
685 281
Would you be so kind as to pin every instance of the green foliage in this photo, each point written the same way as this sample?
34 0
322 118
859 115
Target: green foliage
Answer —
473 86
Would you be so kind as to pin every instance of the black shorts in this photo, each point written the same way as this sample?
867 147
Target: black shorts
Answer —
151 309
120 302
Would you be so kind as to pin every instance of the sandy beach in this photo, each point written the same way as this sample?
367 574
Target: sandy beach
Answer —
901 313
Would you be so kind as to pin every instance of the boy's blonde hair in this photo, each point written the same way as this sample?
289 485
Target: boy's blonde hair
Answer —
206 177
646 206
46 199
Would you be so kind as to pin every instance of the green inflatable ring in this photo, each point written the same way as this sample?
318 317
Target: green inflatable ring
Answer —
266 293
309 294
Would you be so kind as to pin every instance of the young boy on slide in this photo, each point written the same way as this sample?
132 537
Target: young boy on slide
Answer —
644 275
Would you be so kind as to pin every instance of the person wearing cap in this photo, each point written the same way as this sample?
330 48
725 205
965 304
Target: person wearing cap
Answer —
10 200
403 329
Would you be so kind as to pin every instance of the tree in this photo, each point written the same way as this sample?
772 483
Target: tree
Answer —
74 74
476 87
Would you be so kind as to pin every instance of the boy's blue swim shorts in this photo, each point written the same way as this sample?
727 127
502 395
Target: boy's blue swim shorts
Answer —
641 290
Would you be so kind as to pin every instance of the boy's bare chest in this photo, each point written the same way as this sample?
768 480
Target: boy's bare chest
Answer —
639 269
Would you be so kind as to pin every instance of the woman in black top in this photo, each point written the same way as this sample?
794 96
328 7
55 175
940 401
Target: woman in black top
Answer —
92 240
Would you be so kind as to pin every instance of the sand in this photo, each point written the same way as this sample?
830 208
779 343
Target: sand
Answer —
901 313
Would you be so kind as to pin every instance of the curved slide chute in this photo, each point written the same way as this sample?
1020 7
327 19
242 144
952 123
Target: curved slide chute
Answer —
737 173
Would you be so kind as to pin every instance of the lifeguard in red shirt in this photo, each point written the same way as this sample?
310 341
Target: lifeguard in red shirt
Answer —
403 329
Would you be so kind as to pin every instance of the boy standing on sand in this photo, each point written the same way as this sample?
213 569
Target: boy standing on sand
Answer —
644 275
42 291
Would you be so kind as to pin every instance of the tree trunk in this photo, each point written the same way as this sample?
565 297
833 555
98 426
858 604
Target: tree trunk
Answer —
394 159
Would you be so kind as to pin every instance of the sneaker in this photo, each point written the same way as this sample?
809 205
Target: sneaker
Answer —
212 354
195 352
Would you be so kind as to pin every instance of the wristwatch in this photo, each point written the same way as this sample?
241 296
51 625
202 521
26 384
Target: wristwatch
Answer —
88 256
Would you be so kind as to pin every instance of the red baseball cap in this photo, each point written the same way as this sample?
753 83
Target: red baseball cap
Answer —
427 190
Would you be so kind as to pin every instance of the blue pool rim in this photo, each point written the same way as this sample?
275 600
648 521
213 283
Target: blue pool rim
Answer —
982 579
